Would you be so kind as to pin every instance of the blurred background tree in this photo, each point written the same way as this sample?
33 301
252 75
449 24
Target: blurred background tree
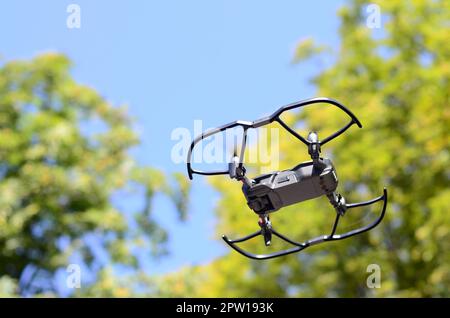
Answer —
396 79
64 155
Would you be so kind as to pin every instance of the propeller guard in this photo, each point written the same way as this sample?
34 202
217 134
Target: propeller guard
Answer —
269 193
317 240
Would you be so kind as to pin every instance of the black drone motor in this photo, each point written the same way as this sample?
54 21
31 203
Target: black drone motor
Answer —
308 180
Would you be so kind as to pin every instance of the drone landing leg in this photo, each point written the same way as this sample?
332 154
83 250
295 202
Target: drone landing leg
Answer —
266 228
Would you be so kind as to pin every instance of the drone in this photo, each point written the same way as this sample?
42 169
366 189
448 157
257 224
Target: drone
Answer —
308 180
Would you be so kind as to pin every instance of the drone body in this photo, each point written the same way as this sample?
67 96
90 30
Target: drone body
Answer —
271 192
308 180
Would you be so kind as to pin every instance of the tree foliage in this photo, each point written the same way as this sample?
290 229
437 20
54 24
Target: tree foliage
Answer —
397 81
64 156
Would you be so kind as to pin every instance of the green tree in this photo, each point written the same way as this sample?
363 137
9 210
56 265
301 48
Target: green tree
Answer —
64 154
397 81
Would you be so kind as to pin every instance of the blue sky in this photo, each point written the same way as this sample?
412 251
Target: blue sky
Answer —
174 62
